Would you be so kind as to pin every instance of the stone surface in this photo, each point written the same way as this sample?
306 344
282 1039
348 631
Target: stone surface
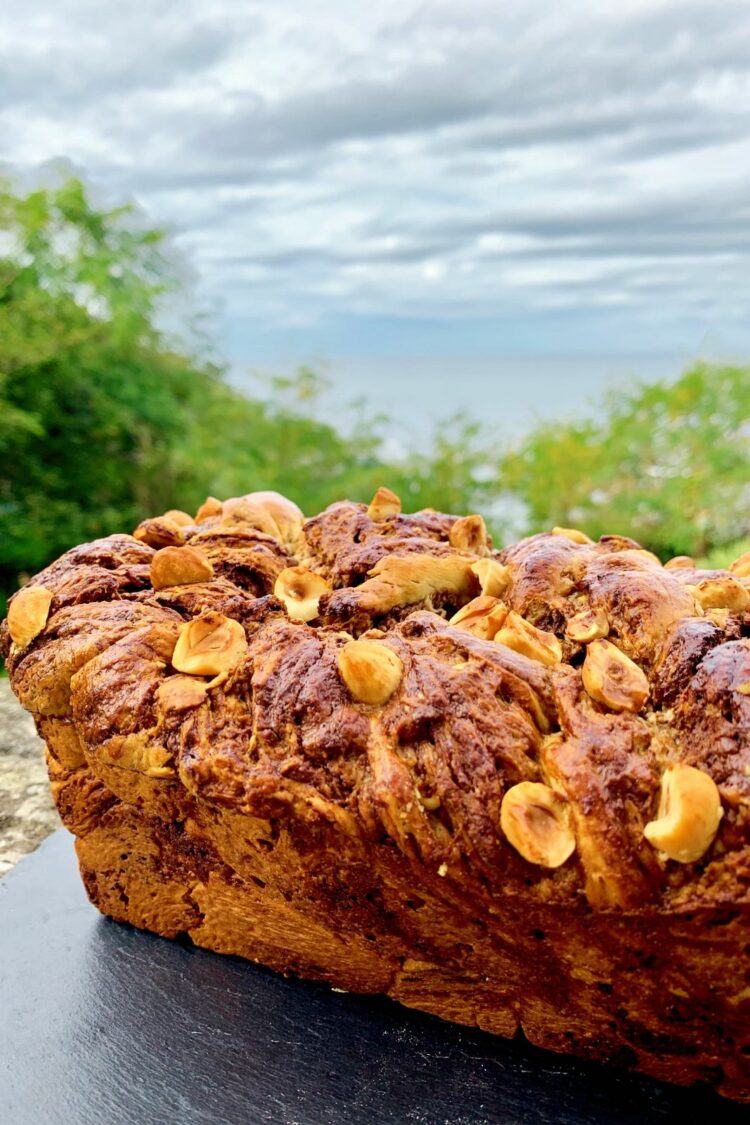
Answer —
27 813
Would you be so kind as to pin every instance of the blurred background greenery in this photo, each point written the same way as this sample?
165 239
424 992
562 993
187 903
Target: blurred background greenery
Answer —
109 414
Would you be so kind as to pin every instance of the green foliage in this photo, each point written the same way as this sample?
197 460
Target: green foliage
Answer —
455 473
104 419
92 398
719 558
666 464
235 443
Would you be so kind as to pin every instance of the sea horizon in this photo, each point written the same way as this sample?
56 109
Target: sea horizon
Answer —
509 395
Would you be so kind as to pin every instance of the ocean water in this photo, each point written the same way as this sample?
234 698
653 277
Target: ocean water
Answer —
508 395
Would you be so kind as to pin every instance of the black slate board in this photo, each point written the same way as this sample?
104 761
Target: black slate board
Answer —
100 1023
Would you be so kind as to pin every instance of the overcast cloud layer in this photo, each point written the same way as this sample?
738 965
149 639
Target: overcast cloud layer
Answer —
416 177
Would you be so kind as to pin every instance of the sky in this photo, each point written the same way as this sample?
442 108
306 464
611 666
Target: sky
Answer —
414 178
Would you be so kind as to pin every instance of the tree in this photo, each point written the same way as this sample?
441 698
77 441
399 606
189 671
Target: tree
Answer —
276 440
668 464
93 398
105 418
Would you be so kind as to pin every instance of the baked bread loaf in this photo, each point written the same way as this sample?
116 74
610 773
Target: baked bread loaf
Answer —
511 788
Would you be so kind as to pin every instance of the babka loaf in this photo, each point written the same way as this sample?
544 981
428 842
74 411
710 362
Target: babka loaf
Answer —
507 787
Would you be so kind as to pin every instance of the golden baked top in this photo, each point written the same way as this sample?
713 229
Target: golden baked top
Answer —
562 719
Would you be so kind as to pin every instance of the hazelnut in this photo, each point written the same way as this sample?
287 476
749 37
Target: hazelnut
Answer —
537 644
384 504
159 532
571 533
370 670
182 519
483 617
429 803
613 679
689 814
469 534
644 554
587 625
27 614
209 645
494 578
238 512
536 823
680 562
160 772
210 507
740 568
725 592
179 566
179 693
300 590
269 512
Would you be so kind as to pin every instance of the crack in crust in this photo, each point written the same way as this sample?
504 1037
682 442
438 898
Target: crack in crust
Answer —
253 781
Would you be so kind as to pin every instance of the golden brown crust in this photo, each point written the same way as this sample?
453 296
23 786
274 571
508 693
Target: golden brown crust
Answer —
269 802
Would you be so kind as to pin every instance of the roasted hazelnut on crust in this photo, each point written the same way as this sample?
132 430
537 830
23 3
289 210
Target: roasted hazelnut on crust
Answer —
370 670
740 568
179 566
28 613
680 562
725 592
269 512
613 679
384 504
537 644
587 626
300 590
469 534
182 519
571 533
689 814
536 822
493 577
209 645
483 617
160 532
210 507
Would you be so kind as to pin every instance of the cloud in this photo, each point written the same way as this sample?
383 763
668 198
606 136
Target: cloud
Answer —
420 162
79 59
